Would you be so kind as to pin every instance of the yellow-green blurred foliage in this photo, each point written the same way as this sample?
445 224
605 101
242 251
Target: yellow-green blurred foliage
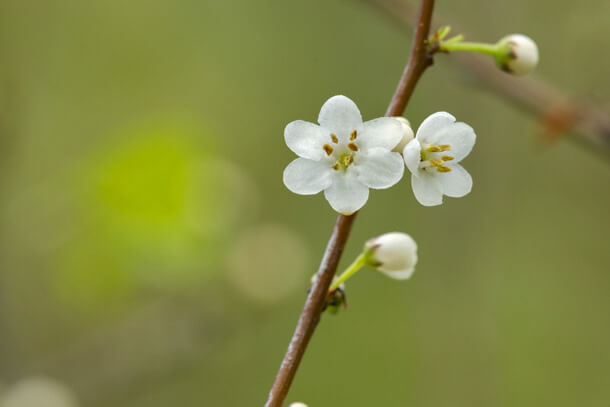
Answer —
150 255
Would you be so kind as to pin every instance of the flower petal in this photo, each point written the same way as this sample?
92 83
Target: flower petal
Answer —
412 155
379 168
340 115
427 189
399 275
384 132
455 183
346 194
307 177
306 139
459 136
432 125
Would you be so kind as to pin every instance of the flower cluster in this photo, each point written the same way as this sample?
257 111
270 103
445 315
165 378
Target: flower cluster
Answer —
344 156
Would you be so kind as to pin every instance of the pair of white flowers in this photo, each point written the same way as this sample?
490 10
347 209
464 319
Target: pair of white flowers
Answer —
344 156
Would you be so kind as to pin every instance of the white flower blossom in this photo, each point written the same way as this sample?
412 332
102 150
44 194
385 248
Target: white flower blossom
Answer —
522 56
433 158
343 156
394 254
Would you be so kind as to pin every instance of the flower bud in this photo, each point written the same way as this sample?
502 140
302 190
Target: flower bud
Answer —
520 56
298 404
394 254
407 134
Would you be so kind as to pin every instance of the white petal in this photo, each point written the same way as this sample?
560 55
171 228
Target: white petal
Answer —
306 139
379 168
307 177
427 189
346 194
412 155
399 275
340 115
459 136
455 183
385 132
432 125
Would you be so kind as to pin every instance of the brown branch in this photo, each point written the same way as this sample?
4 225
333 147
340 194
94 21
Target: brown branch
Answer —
419 60
558 112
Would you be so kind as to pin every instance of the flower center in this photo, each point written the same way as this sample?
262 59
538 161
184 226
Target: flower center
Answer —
345 157
432 157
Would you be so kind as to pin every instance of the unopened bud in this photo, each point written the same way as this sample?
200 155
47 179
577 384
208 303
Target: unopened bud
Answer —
407 134
298 404
394 254
520 56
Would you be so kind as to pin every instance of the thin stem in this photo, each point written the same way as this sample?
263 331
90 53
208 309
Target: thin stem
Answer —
419 60
350 271
311 311
489 49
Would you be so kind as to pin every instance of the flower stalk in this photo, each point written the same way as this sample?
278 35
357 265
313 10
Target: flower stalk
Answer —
350 271
480 47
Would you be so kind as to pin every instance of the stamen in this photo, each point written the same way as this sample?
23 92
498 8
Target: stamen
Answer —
442 168
437 163
447 158
433 148
334 138
347 159
352 146
353 135
336 166
329 150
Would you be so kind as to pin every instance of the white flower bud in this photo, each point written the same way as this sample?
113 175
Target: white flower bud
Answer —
407 134
298 404
521 56
394 254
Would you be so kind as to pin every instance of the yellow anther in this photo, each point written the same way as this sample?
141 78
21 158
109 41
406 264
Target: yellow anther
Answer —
433 148
436 163
334 138
336 166
329 150
442 168
445 147
352 146
447 158
353 135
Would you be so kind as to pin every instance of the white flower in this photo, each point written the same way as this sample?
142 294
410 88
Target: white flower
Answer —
343 156
298 404
522 54
394 254
433 157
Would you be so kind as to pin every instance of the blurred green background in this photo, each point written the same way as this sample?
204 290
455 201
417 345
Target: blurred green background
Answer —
151 256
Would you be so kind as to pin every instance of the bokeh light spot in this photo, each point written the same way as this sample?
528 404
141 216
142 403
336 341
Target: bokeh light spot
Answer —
267 263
